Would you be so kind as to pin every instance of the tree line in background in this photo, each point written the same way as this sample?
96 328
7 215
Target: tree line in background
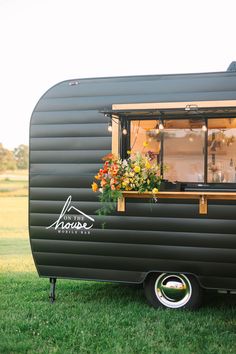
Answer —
14 159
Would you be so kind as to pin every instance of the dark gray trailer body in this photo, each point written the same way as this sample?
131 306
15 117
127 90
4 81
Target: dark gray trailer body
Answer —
68 138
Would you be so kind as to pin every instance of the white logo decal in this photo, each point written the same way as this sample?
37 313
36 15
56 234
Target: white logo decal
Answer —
72 223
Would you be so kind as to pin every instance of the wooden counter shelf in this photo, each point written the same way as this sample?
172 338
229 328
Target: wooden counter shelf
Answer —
203 197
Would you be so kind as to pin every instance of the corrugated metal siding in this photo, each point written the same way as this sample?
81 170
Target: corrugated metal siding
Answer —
68 137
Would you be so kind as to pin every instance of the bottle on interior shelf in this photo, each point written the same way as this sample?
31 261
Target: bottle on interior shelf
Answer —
231 172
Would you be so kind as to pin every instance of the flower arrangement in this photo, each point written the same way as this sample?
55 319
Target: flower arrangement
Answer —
137 173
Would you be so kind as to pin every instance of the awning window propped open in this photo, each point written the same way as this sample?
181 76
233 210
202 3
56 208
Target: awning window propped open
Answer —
170 110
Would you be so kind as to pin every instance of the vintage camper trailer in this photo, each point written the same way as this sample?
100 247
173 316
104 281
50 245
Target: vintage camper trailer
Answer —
179 244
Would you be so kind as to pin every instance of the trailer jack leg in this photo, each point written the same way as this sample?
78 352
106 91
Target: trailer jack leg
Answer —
52 296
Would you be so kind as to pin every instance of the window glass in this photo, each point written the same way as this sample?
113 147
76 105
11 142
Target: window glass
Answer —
183 150
180 145
145 137
222 150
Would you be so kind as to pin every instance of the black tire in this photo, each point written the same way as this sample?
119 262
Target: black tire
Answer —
170 290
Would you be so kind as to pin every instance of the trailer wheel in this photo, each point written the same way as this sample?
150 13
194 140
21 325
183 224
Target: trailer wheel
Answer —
173 291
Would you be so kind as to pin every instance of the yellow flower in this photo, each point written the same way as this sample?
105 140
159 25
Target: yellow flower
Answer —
94 187
155 191
128 152
147 165
145 144
137 169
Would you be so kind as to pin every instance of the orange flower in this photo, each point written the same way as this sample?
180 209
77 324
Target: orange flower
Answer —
103 182
113 188
109 156
94 187
113 181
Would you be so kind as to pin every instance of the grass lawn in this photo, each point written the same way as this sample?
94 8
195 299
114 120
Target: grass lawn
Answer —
14 183
90 317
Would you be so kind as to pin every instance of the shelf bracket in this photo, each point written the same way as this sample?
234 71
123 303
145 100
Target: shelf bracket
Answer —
121 204
203 204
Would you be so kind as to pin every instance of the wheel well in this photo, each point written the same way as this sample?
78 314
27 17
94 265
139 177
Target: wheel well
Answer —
149 274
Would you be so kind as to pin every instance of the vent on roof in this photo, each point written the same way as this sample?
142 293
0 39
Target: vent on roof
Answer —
232 66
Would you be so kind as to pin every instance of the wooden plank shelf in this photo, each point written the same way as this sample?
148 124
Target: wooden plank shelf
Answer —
203 197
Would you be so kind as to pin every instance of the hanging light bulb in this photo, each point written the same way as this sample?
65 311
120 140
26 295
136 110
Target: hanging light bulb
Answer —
124 127
190 138
124 131
204 127
109 127
161 126
156 129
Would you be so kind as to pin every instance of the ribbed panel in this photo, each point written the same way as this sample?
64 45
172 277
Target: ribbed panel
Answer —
134 237
110 250
100 102
71 157
63 144
68 138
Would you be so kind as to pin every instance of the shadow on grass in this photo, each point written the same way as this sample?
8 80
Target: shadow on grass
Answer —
94 293
90 291
212 299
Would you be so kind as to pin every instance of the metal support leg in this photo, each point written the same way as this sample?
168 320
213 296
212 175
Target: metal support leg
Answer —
52 296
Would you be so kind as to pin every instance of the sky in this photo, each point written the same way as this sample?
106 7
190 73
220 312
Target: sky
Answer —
44 42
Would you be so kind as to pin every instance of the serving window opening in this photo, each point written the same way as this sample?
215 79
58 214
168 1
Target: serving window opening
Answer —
201 150
177 144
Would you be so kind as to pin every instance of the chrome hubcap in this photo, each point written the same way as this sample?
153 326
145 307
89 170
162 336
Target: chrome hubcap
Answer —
173 290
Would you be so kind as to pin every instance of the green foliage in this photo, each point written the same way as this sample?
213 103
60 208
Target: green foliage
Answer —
108 199
21 154
12 160
7 159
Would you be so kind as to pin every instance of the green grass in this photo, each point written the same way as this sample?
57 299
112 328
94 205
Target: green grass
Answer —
14 246
14 183
90 317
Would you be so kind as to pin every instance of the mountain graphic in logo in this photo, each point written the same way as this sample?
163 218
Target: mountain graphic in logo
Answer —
77 220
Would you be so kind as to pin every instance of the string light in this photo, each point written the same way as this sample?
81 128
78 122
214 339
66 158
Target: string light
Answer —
161 126
156 129
109 127
124 126
204 127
